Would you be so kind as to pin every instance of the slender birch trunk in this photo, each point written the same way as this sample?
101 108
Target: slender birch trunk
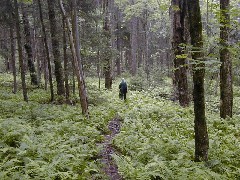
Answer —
76 59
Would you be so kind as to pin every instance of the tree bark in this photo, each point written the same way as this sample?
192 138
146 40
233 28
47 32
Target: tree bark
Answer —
134 46
55 48
13 58
146 45
28 47
46 50
81 80
226 87
118 43
201 134
44 64
180 72
76 58
107 50
65 57
20 52
36 45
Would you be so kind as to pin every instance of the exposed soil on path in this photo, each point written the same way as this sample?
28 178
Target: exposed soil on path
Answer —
109 166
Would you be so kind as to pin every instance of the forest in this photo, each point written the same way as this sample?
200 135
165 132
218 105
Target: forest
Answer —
61 65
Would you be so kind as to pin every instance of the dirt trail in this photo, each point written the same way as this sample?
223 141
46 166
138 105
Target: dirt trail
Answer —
110 168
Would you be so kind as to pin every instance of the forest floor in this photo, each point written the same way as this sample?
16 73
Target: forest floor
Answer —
109 166
146 137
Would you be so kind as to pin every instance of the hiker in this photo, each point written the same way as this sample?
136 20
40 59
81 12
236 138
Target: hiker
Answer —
123 89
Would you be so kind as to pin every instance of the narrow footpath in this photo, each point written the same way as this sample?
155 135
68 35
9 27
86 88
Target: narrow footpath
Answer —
109 166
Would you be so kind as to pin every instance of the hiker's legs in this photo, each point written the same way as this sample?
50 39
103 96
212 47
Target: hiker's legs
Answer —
120 95
124 96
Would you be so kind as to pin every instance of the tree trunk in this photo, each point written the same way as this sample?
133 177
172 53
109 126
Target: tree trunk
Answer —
46 50
201 134
13 58
146 45
28 47
81 80
107 50
180 72
55 48
134 46
226 87
20 52
98 60
76 57
44 64
36 46
118 59
65 57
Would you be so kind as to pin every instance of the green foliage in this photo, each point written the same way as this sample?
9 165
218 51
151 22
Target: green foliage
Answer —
57 143
142 81
157 141
46 141
156 10
136 83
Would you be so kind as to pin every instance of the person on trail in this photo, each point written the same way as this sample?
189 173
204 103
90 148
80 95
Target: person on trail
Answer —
123 89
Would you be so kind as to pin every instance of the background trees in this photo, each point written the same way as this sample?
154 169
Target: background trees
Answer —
136 39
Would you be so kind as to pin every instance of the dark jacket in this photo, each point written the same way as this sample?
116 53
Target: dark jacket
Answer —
123 86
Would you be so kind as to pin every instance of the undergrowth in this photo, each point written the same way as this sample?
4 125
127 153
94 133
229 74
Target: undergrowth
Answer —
157 140
40 140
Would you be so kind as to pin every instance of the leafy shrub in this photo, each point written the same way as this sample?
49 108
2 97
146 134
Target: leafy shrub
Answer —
157 142
49 141
136 84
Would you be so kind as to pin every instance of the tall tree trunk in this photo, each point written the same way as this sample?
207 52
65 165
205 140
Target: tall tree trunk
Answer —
76 57
38 64
146 45
81 80
226 87
55 48
20 52
201 134
28 47
13 58
107 57
44 64
180 73
36 49
46 50
118 59
134 45
98 59
65 57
